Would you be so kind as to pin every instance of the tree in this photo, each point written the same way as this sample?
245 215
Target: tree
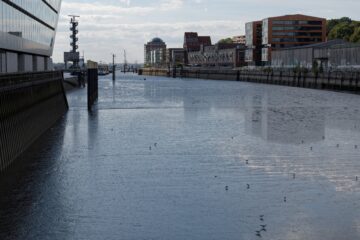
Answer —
226 40
331 24
342 30
355 37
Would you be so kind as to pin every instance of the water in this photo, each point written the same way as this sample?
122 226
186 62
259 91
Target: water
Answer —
191 159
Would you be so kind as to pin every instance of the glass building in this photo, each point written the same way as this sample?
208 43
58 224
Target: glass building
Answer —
27 34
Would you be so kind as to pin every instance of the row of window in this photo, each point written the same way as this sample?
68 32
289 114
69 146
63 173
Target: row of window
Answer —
298 28
296 40
288 45
39 9
296 22
298 34
18 24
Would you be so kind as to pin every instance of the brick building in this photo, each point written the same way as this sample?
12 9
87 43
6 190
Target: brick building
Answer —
192 41
290 31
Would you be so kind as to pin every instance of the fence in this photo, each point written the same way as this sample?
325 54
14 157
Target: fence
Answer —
335 80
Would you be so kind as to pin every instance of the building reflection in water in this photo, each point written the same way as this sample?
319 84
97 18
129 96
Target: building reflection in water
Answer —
289 125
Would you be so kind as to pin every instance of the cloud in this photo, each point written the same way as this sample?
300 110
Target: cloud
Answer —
108 26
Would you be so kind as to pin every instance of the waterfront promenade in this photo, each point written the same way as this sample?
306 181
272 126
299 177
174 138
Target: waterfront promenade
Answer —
166 158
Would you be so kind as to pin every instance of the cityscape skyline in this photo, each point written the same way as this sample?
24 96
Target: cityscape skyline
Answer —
110 26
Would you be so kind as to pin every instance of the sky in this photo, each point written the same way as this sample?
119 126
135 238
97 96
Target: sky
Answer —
110 26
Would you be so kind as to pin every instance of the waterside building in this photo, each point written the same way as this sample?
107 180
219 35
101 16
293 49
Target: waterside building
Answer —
155 53
290 31
335 54
27 34
253 43
219 55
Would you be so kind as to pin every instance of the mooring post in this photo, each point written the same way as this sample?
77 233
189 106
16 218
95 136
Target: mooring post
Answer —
92 91
174 72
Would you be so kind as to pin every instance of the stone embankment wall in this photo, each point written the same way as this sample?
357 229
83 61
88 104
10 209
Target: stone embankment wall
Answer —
30 104
340 80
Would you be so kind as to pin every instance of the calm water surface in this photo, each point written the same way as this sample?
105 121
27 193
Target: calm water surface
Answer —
191 159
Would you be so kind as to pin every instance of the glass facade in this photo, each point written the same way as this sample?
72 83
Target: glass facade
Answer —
32 20
39 9
53 3
249 34
265 32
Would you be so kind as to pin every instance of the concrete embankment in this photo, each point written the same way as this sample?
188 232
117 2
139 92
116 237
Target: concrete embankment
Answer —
71 83
30 104
340 80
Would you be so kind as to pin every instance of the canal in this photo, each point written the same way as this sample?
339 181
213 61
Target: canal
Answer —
162 158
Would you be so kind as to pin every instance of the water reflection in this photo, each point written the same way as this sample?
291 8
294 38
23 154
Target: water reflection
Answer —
289 125
105 182
29 190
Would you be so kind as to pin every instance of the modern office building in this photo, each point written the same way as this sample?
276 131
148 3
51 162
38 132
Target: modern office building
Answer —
27 34
155 53
290 31
253 43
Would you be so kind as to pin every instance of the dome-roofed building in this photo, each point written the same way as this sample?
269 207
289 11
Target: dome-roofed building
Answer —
157 40
155 53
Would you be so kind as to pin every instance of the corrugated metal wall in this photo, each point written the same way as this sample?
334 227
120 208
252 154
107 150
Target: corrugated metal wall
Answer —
29 105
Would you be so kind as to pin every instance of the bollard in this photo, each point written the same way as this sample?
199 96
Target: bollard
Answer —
92 89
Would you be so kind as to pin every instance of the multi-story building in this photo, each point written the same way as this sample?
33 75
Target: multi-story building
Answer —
290 31
193 42
155 53
221 55
175 56
239 39
27 34
253 43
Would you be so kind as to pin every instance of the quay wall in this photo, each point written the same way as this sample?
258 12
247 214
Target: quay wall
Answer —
30 103
335 80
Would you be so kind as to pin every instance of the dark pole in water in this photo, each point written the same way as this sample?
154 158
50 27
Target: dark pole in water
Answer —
113 67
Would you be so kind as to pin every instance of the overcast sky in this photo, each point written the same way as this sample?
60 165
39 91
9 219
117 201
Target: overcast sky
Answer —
108 26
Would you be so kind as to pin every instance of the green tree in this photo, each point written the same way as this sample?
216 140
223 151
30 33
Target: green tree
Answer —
331 24
343 30
355 37
226 40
